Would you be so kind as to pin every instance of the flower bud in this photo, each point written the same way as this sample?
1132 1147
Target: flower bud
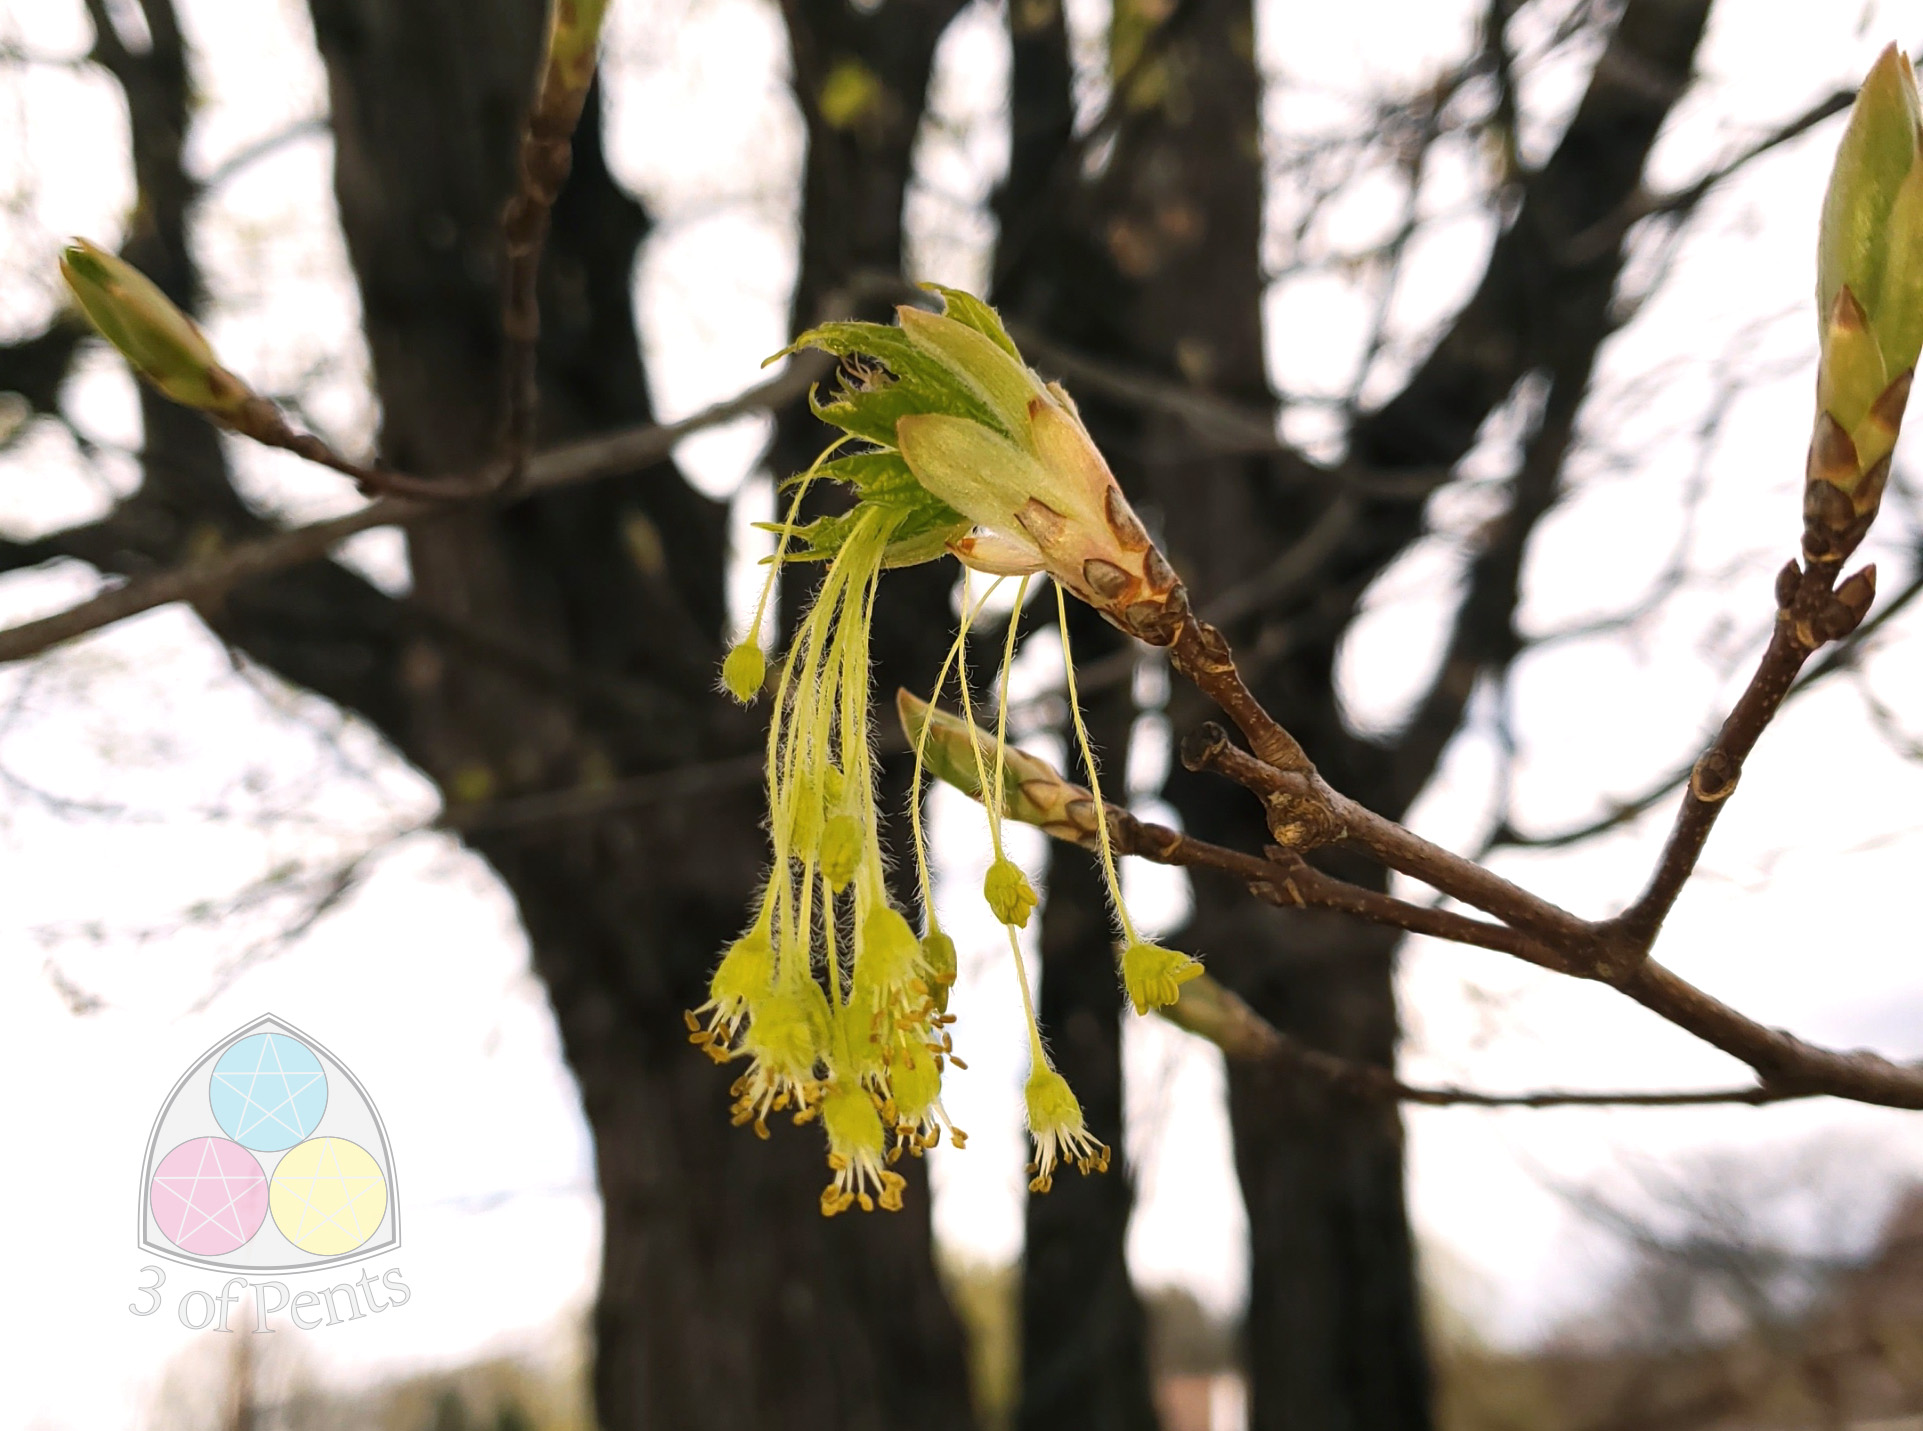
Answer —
1008 892
744 672
1869 295
159 342
1033 791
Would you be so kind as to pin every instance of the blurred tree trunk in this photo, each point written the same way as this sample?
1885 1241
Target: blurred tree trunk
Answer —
726 1300
1084 1352
1154 265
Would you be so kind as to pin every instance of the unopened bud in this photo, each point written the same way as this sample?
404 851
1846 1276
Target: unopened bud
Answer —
1033 791
1858 591
159 342
744 671
1869 295
1009 894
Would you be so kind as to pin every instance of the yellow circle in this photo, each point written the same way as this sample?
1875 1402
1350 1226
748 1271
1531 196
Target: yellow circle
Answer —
328 1196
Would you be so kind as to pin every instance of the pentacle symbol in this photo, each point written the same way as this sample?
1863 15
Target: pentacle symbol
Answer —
268 1156
208 1196
328 1196
268 1092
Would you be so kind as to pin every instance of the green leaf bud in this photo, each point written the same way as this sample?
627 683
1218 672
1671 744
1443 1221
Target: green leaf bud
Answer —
159 342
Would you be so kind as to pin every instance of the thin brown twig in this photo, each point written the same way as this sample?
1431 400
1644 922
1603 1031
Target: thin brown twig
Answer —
583 461
1803 594
1212 1011
1839 657
1304 812
1287 880
546 155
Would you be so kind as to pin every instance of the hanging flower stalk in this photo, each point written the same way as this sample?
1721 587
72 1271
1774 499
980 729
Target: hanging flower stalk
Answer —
950 445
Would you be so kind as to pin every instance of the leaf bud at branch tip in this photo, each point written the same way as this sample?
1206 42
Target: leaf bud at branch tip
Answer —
159 342
1869 296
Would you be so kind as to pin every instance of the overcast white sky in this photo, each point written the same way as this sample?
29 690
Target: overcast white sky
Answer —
140 773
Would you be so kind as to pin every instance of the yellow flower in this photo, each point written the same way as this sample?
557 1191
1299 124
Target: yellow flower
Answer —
841 847
857 1152
938 958
746 974
1055 1123
787 1039
1154 976
915 1111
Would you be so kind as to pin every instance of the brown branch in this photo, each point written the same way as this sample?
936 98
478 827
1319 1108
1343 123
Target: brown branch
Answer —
1304 812
1839 657
567 71
1216 1013
1286 880
1810 614
638 792
1601 237
563 466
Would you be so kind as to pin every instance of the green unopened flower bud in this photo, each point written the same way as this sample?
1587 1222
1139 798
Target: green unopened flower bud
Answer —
1869 294
1008 892
158 341
840 851
1033 791
744 672
1153 976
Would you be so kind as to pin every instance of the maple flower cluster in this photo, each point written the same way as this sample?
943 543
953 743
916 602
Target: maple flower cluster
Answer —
950 444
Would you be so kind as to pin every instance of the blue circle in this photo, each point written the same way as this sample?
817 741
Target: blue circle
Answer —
268 1092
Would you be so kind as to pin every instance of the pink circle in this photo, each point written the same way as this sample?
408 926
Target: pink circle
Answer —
209 1196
